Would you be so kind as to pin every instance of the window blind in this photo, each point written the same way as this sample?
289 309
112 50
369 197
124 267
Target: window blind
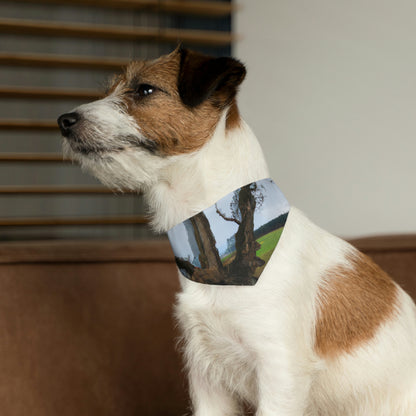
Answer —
55 55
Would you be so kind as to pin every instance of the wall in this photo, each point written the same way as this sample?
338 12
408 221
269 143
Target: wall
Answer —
331 95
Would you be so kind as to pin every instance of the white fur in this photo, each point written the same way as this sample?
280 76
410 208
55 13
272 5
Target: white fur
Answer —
256 343
107 121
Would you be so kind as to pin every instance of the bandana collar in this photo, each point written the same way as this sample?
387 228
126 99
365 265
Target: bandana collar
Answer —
231 242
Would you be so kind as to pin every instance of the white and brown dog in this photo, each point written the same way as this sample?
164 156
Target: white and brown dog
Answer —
324 331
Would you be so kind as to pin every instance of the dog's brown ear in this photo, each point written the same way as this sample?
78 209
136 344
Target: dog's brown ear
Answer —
202 77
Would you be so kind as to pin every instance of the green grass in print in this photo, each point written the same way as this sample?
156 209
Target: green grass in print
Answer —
226 260
268 243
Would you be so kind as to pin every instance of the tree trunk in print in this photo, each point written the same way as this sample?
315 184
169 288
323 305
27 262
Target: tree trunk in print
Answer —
242 268
246 260
209 257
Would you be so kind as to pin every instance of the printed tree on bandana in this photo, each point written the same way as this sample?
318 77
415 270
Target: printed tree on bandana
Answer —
243 206
211 270
245 262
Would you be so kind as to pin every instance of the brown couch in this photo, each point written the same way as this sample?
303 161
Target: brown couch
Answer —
86 328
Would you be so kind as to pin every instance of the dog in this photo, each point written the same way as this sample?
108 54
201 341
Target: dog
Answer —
323 331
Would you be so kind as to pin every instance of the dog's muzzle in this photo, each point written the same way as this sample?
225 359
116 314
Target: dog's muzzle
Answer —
67 123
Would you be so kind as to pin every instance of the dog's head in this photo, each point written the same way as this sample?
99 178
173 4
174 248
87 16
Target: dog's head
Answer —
154 111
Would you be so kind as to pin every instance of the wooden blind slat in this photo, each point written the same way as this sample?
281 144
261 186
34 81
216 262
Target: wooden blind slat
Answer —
59 190
202 8
56 61
32 222
31 157
48 93
58 29
28 125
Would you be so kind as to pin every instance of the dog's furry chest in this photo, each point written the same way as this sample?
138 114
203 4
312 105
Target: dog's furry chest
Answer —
215 344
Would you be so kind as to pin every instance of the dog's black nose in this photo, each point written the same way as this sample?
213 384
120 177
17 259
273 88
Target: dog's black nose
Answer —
67 121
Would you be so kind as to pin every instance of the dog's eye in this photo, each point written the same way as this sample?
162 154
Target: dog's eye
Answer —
143 90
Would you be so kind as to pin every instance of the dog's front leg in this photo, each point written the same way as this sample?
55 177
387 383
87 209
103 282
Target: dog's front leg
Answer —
209 399
283 386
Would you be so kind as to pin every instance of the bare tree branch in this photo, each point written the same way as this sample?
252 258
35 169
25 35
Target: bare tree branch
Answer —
226 218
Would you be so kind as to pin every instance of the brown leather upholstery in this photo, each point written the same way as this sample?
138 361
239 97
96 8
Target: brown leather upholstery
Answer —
86 328
396 254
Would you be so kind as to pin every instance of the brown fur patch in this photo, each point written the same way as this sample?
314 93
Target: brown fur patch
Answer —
162 117
233 116
353 303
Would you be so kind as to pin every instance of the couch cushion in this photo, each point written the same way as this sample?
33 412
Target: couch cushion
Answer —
87 329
